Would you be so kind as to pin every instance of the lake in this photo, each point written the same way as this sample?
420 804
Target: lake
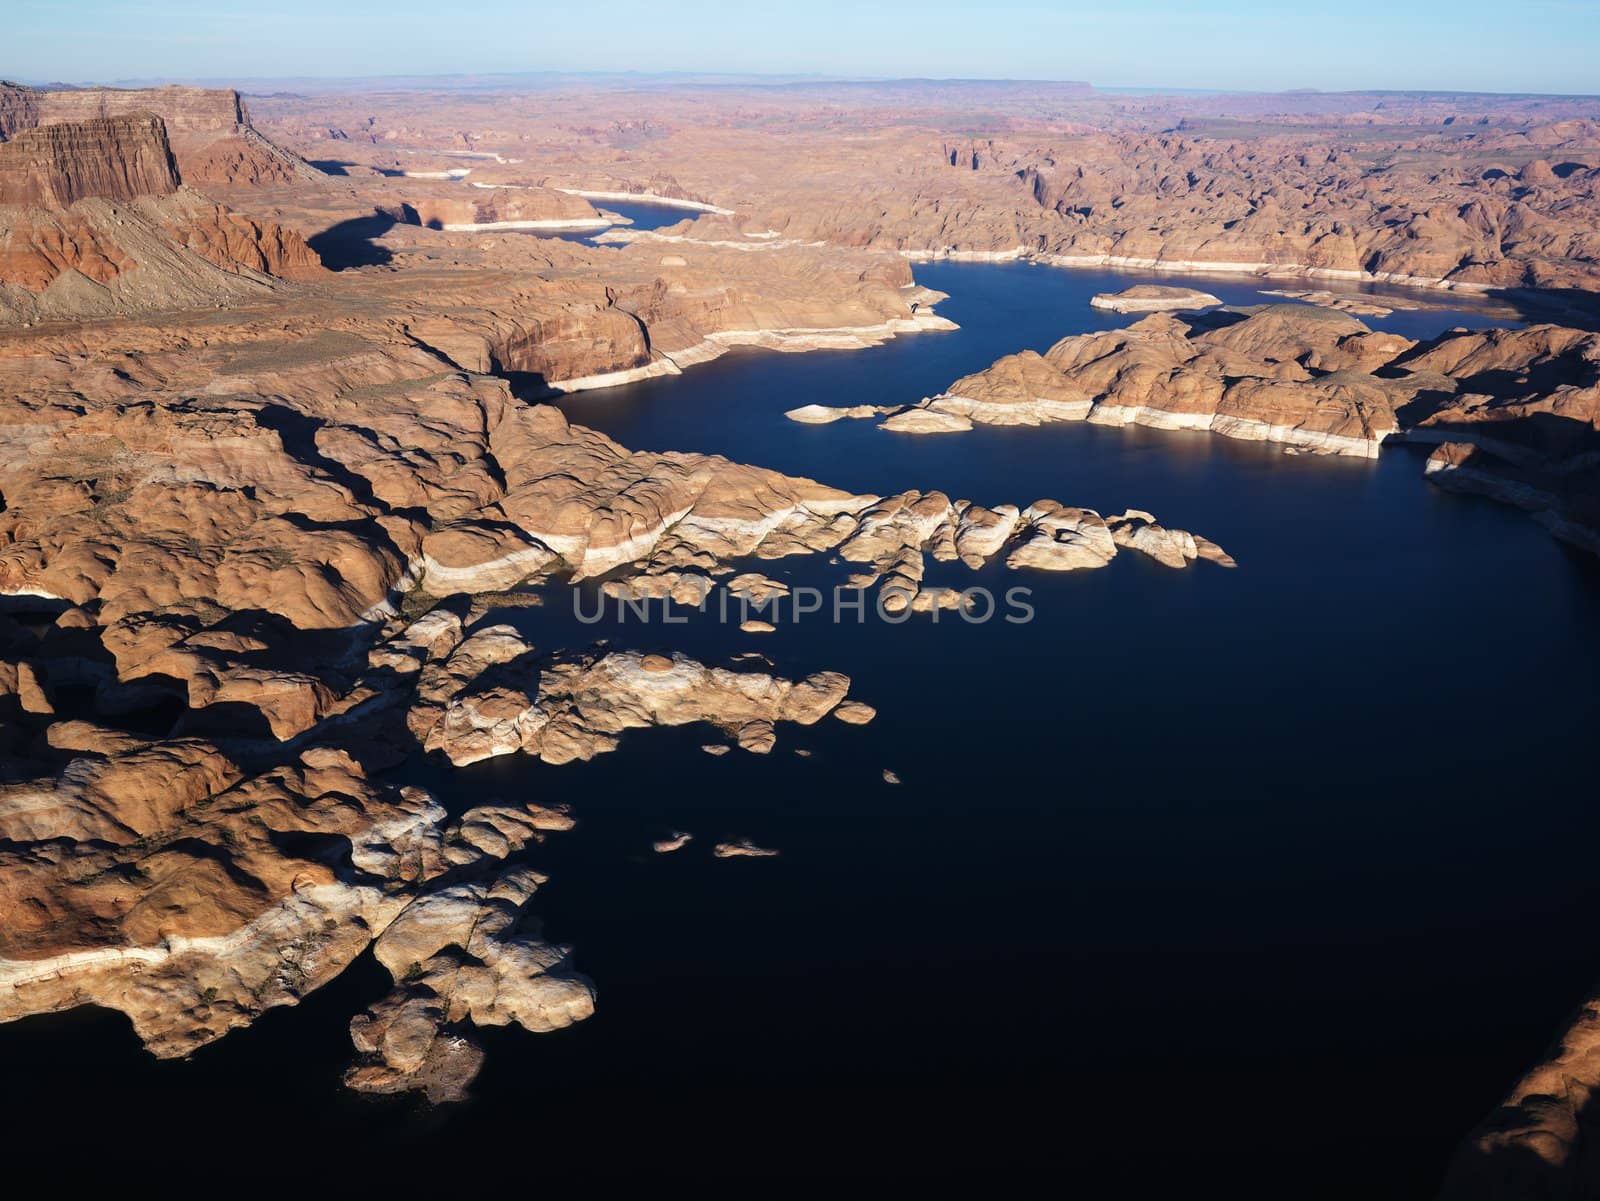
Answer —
1270 880
641 214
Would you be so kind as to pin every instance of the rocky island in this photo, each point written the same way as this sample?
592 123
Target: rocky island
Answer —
1153 298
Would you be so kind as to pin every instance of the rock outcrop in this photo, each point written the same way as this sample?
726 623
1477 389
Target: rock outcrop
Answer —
245 893
1535 1144
1283 373
855 713
227 905
212 138
495 696
94 223
742 848
445 207
816 414
1518 405
99 258
462 957
1152 298
1517 411
119 158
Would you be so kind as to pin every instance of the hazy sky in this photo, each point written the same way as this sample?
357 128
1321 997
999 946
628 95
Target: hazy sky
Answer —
1482 45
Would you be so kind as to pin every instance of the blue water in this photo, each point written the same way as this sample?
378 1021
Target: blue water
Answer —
735 405
1270 875
646 215
643 216
1266 882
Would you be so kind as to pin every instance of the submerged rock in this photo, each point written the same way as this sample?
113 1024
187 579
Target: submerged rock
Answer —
742 848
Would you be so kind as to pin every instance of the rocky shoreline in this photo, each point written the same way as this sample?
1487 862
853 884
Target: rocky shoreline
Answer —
1200 267
1315 380
189 523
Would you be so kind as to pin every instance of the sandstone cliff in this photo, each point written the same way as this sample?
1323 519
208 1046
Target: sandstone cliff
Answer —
212 139
93 222
54 166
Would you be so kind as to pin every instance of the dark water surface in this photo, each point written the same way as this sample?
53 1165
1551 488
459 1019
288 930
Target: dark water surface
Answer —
1257 882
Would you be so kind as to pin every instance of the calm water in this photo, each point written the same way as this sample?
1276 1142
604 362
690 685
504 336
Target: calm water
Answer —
644 216
1270 880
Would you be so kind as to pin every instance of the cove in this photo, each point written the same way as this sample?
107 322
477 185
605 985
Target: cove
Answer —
641 214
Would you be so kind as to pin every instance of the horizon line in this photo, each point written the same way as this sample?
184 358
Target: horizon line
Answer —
239 82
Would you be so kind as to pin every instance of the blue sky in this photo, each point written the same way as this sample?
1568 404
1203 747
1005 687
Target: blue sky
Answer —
1509 45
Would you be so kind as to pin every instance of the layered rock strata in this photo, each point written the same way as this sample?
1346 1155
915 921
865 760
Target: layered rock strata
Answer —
212 138
118 158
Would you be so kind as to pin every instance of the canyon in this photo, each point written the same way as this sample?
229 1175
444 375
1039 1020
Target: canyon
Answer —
294 484
1457 191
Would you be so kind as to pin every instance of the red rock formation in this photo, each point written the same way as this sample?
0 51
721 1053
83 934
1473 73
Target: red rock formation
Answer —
35 249
103 258
55 166
19 108
231 241
1517 409
64 181
210 131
